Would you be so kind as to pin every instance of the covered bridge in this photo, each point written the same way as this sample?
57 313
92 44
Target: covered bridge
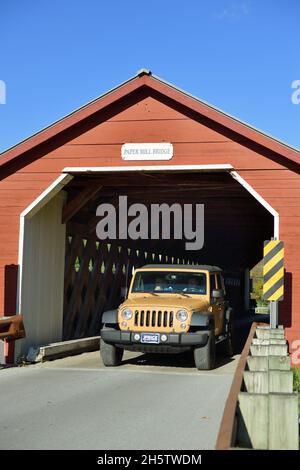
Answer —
53 268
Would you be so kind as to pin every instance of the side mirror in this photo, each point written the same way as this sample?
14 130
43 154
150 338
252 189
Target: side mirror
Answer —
124 292
217 293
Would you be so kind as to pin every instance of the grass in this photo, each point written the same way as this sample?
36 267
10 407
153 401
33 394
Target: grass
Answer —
296 375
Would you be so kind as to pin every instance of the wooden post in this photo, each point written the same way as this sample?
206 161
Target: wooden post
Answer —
269 350
258 363
283 422
252 426
278 350
256 382
279 362
269 341
267 409
267 333
280 381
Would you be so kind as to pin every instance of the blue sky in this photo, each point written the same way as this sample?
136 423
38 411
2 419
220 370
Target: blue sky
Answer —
241 56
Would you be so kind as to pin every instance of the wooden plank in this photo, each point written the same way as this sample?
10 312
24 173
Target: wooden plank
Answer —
20 195
279 362
74 304
108 153
283 422
74 205
12 327
266 175
183 150
148 108
266 350
42 282
282 184
185 130
88 307
253 422
267 333
280 381
19 185
104 283
268 342
256 382
278 350
280 202
196 108
258 363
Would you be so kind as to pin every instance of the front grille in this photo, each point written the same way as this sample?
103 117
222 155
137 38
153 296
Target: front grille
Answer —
153 319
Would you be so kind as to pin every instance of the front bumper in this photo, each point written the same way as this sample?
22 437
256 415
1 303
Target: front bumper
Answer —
184 340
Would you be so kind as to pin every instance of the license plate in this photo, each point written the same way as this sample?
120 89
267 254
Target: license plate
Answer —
150 338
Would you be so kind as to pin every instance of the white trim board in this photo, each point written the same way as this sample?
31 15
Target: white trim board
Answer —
69 172
29 212
261 200
109 169
46 195
190 168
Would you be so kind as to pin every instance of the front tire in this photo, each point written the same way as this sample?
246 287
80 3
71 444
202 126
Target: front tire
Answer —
111 355
205 356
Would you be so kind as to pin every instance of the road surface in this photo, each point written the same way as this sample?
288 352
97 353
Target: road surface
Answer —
150 402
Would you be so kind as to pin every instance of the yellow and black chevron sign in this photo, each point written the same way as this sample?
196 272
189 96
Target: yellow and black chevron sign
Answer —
273 270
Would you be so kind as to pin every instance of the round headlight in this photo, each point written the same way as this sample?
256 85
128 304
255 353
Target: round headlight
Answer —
127 314
182 315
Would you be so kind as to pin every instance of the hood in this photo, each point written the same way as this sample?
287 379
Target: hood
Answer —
176 301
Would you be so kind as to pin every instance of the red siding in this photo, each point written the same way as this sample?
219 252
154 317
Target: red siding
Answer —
150 120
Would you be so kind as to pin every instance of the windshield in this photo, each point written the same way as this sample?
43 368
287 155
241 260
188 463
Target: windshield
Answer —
169 282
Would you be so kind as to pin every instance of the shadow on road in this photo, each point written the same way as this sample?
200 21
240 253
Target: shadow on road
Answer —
182 360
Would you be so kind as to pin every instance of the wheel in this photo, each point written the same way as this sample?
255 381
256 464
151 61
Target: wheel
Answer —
205 356
227 346
111 355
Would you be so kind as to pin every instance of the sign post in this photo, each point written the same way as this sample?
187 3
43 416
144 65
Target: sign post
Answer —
273 276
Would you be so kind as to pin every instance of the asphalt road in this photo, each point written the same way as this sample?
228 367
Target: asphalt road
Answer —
150 402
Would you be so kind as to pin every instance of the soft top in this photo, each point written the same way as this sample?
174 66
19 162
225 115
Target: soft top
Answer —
205 267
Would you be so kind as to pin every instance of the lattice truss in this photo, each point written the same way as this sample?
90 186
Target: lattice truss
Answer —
95 272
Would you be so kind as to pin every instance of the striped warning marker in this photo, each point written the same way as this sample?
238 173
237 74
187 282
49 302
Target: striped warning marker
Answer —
273 270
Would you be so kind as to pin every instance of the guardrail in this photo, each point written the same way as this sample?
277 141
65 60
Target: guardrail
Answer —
12 327
261 411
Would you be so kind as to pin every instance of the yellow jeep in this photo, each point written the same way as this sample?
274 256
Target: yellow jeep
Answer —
170 309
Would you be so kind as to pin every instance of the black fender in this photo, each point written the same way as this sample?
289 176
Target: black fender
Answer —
110 317
201 319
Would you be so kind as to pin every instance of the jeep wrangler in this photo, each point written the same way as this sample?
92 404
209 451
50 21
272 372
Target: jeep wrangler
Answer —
170 309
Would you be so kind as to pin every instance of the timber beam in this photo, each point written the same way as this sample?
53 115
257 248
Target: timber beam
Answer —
77 202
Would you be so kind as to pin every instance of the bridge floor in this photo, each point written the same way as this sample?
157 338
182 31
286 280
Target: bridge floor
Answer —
149 402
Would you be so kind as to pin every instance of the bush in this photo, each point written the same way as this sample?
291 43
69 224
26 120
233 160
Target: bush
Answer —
296 375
